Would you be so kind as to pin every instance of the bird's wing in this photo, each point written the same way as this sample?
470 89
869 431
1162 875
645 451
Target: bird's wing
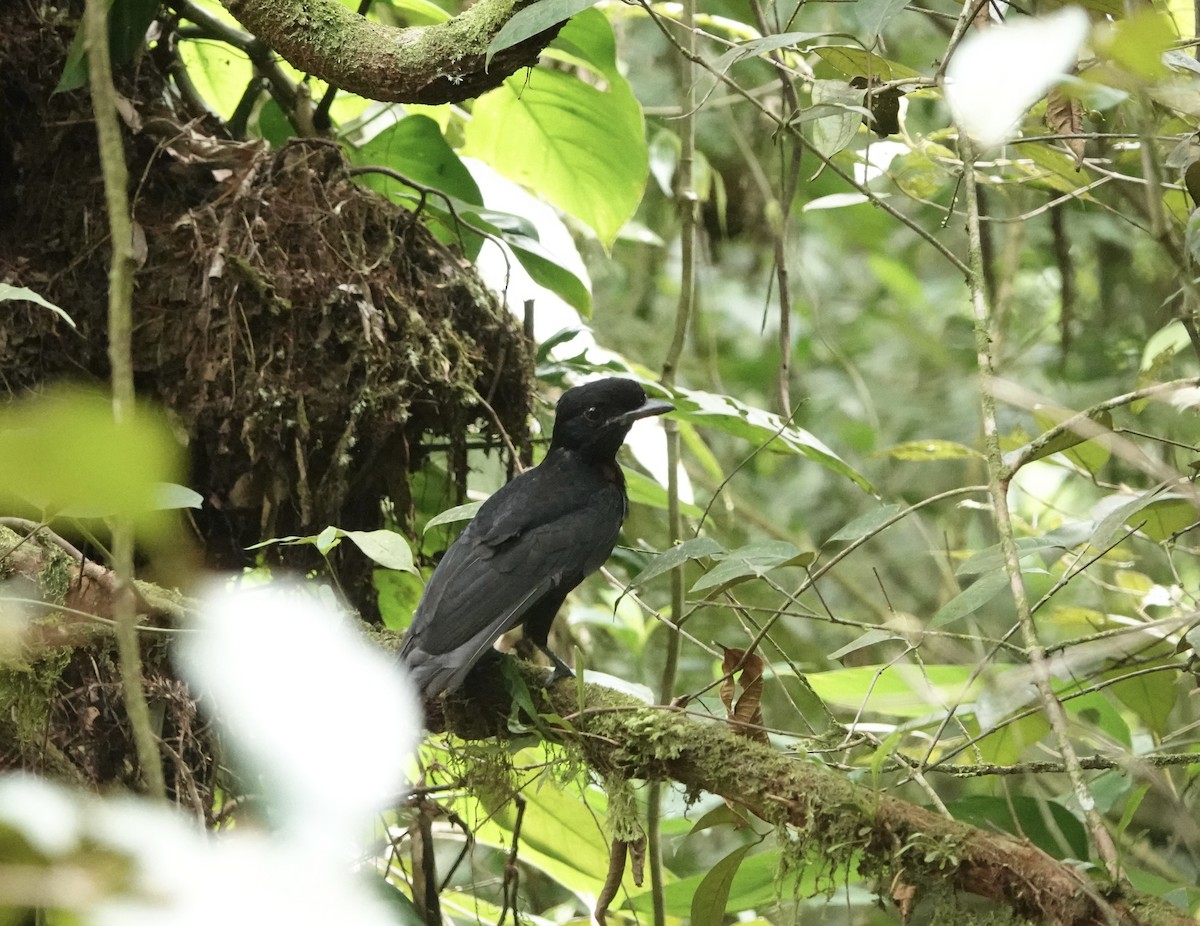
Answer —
488 580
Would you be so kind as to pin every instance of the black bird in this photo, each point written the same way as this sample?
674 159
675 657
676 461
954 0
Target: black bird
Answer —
530 543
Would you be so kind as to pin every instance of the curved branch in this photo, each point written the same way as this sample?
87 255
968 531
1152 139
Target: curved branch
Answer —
895 842
443 63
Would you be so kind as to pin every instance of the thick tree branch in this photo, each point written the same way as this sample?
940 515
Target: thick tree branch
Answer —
895 842
443 63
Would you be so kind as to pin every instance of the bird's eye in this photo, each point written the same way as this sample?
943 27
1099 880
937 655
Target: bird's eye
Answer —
593 414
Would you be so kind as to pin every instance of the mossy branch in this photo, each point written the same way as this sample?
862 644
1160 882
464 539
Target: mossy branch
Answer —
897 844
442 63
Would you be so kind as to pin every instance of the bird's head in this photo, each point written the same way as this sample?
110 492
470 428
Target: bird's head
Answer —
594 418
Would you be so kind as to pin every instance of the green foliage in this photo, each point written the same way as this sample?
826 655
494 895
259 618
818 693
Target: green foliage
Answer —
878 589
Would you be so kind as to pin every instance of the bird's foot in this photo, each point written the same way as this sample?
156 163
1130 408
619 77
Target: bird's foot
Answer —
561 669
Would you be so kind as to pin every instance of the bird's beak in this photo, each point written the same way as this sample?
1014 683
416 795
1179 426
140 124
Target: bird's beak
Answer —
645 410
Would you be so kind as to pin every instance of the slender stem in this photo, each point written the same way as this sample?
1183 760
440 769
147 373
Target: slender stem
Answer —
120 355
998 482
688 201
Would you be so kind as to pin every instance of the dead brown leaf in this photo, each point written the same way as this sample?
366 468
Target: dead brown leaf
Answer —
744 714
1064 115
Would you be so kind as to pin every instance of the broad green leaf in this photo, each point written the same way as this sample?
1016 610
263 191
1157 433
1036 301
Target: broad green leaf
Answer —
643 490
1054 169
588 39
172 495
706 409
1011 741
922 451
532 19
545 271
866 523
876 14
696 548
65 455
1152 697
560 835
970 599
581 148
1026 817
753 49
858 62
839 201
1173 337
712 893
416 148
1169 512
419 12
755 884
752 561
900 690
833 132
452 515
1057 541
870 638
1081 450
22 294
397 594
128 21
721 815
1096 709
1167 517
1137 43
220 73
387 548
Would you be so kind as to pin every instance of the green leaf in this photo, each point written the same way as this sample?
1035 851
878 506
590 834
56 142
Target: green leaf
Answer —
752 561
1138 43
1026 817
970 599
1091 458
65 455
858 62
712 893
544 270
755 884
866 523
560 835
1177 509
1058 541
1152 697
533 19
416 148
128 21
642 490
419 12
219 72
397 594
387 548
832 133
753 49
896 690
21 294
696 548
1173 337
582 148
923 451
876 14
452 515
706 409
588 39
172 495
870 638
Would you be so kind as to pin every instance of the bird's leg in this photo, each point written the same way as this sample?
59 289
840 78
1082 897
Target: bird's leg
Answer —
561 669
